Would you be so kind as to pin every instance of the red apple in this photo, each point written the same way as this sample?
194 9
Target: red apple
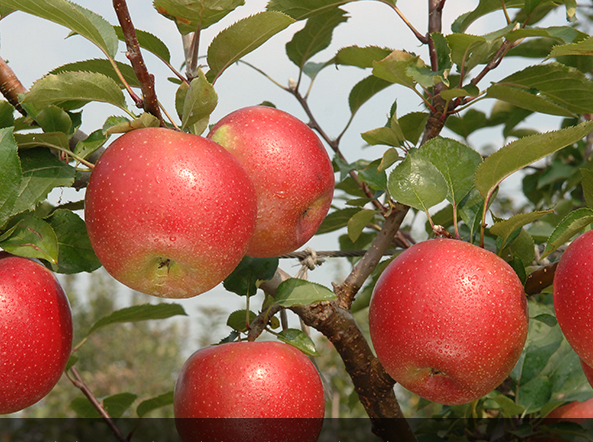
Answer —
448 320
35 332
169 213
291 171
249 382
573 295
576 412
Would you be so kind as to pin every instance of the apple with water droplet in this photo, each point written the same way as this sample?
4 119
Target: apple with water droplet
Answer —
249 392
169 213
291 171
448 320
573 295
35 332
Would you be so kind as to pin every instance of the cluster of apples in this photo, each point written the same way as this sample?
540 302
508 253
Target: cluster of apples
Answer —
171 214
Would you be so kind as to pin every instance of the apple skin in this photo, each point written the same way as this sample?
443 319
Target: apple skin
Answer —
448 320
576 412
247 384
573 295
35 332
291 171
168 213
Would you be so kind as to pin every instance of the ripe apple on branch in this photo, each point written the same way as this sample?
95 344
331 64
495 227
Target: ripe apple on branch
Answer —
174 207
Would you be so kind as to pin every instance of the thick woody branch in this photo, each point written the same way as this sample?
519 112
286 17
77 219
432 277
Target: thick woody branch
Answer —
540 279
372 384
11 87
150 102
363 269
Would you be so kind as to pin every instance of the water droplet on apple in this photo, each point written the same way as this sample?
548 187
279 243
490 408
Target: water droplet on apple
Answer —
172 238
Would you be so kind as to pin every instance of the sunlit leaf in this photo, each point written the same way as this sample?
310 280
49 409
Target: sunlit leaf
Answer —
80 87
315 36
31 237
298 292
520 153
189 16
298 339
154 403
303 9
148 41
11 173
570 225
241 38
137 313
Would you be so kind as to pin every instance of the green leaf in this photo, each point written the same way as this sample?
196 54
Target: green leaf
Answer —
556 83
548 319
336 220
484 7
78 87
416 182
115 405
587 184
115 125
472 50
298 292
239 320
382 135
42 171
303 9
148 41
57 140
457 163
527 100
394 68
300 340
412 125
78 19
362 57
75 252
11 173
154 403
189 16
358 222
364 90
505 228
570 225
583 47
374 176
199 102
508 406
250 272
241 38
102 66
90 144
54 119
520 153
137 313
315 36
6 114
31 237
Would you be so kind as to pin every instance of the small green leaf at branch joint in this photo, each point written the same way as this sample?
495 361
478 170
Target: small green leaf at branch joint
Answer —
239 321
358 222
299 340
298 292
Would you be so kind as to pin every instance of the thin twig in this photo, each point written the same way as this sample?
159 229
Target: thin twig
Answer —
149 102
79 383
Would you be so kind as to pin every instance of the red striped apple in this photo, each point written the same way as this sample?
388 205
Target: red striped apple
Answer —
168 213
265 391
448 320
291 171
573 295
35 332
